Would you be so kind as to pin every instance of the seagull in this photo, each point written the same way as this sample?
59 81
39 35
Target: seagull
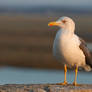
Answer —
70 47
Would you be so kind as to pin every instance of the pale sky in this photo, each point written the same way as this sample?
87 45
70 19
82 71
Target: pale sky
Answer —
74 3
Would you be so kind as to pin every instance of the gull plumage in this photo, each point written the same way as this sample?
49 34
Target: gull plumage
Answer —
70 47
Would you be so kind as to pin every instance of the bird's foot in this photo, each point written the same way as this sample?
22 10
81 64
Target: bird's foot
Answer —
64 83
75 84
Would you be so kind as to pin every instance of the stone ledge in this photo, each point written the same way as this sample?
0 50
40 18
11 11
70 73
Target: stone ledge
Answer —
45 88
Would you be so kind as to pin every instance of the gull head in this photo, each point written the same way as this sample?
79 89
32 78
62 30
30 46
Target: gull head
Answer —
64 23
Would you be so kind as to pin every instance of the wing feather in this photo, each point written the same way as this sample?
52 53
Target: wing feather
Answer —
83 47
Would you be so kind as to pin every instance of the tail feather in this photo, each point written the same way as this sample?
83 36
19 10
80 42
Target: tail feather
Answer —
87 68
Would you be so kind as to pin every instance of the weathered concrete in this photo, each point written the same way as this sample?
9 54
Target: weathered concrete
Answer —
45 88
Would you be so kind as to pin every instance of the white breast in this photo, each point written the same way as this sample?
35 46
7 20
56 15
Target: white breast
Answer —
68 46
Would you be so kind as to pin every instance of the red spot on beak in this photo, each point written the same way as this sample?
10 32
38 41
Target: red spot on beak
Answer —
51 24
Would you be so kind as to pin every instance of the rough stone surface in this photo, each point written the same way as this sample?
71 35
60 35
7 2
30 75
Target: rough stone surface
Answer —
45 88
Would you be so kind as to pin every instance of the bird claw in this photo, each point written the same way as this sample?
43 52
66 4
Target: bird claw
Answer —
64 83
75 84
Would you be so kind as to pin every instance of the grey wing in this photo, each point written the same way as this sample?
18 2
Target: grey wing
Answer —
88 57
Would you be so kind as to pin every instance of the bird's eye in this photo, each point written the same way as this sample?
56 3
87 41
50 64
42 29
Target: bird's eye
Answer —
64 21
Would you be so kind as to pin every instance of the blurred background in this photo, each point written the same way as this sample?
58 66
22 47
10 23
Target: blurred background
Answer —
26 40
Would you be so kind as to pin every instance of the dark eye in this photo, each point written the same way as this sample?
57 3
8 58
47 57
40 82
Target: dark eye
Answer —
63 21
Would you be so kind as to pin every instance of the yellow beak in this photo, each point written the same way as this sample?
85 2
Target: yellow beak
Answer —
53 24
